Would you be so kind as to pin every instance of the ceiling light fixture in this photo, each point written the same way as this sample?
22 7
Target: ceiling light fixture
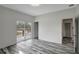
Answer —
35 5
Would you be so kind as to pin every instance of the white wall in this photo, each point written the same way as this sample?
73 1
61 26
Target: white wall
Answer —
8 20
50 25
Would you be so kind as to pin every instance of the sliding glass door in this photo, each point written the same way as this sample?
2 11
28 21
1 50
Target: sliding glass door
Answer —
24 31
28 30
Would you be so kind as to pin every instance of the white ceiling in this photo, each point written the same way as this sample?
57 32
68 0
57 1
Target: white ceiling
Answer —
37 10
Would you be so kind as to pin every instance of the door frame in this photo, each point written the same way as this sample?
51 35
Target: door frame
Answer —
73 29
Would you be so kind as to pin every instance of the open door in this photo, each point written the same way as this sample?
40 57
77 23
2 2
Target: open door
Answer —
67 32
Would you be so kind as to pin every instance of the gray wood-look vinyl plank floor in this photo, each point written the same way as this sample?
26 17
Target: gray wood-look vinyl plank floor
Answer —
33 46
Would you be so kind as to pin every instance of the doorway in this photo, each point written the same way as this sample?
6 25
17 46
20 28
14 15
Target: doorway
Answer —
35 30
77 34
67 32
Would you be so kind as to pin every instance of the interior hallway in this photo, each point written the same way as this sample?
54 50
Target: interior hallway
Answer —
34 46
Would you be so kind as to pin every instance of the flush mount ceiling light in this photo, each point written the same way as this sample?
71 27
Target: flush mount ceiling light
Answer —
35 5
